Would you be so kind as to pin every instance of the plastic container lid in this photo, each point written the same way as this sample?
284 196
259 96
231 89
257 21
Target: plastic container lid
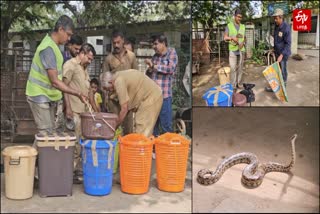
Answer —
60 136
171 139
214 91
99 115
100 144
56 139
19 151
135 139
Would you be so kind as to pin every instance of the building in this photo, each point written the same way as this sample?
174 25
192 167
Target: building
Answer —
100 37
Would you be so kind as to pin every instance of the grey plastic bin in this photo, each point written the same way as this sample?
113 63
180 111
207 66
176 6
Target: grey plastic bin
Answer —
55 163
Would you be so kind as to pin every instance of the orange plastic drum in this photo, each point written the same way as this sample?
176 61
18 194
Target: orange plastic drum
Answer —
135 163
171 161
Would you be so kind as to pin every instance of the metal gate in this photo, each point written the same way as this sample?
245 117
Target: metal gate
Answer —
16 115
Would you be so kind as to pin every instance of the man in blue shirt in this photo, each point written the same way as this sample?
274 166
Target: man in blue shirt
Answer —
282 44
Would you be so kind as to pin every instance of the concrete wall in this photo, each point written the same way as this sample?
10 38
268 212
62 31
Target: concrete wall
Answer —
174 38
294 41
93 41
26 44
307 38
318 31
310 38
140 31
106 42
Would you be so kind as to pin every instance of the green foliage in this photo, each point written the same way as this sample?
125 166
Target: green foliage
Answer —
211 13
123 12
180 96
27 15
24 16
258 53
292 4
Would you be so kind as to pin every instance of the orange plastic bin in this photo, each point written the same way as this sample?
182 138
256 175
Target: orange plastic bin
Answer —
135 163
171 161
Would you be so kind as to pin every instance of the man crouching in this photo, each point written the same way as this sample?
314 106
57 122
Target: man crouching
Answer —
136 92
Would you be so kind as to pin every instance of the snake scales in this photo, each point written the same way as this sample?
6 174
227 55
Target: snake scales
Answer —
252 174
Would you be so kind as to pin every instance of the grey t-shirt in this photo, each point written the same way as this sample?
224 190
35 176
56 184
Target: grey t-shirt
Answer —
227 31
48 60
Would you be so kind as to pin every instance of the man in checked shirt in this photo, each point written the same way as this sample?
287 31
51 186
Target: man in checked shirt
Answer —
161 69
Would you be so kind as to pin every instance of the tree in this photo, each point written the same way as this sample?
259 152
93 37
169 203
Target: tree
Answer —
294 4
211 13
29 15
26 14
124 12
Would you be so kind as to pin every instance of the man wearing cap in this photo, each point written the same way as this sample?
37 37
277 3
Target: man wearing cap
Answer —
235 35
282 44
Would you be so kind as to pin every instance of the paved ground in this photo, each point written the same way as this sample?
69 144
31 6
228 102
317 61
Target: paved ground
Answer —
153 201
221 132
302 88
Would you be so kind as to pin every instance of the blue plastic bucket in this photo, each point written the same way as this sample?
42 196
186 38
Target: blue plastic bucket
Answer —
97 163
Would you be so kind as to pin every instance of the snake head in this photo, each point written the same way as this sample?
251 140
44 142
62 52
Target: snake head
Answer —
205 177
294 137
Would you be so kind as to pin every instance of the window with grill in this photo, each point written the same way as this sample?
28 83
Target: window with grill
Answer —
99 42
17 45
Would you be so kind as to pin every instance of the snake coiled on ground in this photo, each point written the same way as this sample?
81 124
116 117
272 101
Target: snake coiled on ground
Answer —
252 174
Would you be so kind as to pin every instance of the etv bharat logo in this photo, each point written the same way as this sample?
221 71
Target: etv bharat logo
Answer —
301 20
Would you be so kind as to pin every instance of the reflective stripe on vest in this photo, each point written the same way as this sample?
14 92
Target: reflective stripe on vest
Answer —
233 32
38 81
42 71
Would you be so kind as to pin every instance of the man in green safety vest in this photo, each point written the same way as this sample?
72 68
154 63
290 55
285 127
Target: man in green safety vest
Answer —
235 35
45 86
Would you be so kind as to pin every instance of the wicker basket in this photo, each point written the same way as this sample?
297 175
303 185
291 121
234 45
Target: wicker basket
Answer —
98 125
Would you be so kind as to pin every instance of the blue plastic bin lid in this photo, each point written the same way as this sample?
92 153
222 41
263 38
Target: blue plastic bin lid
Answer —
100 143
221 96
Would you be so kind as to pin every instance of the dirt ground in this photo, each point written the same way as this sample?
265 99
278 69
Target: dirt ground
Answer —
302 87
266 132
154 201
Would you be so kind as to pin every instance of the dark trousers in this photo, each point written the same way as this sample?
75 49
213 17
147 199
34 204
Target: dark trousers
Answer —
165 118
284 71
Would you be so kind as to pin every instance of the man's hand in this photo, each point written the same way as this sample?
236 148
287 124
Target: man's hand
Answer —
241 45
69 113
235 39
91 93
117 122
148 62
280 58
82 97
113 96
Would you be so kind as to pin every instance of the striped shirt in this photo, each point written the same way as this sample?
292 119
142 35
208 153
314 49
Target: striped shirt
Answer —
166 67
